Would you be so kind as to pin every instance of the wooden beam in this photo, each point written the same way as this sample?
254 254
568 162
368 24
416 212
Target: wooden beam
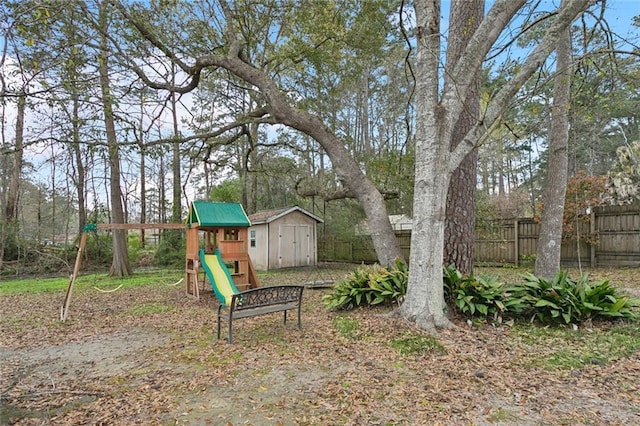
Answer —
142 226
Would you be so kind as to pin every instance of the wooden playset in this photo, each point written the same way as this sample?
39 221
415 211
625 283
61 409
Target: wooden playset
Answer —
222 226
222 257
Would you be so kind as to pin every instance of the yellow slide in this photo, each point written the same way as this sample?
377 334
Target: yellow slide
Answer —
219 276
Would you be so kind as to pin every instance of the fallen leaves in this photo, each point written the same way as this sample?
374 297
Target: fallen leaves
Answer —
121 360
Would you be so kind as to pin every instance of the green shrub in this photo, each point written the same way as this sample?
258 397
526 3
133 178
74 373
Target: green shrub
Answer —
559 300
369 285
562 299
482 296
170 251
451 279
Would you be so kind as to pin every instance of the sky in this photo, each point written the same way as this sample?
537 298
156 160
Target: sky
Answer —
619 15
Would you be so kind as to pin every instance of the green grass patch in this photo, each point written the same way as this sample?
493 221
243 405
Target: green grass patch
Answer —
346 326
101 281
418 345
33 285
567 349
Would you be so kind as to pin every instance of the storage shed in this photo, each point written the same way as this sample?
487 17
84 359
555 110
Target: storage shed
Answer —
283 238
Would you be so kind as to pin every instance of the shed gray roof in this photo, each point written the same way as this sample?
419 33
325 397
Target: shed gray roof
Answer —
266 216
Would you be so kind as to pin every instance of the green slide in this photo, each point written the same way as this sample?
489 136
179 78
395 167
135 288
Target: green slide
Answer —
219 276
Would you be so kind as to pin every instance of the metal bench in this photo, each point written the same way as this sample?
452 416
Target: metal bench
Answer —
261 301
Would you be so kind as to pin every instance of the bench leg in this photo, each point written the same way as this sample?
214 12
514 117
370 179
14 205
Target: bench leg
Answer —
219 308
285 316
230 336
299 319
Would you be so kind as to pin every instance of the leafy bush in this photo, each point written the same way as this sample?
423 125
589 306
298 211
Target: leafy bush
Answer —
369 285
451 279
559 300
562 299
481 296
98 250
549 301
171 250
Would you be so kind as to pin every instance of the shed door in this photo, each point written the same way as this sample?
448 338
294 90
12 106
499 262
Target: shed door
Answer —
293 246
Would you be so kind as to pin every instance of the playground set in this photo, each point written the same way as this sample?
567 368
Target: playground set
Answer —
224 227
222 257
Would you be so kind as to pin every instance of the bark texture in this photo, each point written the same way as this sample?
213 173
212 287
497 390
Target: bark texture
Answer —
348 171
548 249
424 302
436 122
120 265
464 20
13 191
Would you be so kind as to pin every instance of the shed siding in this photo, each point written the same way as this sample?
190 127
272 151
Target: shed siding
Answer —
260 253
292 241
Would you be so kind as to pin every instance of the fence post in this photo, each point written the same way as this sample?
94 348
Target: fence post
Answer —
516 242
593 230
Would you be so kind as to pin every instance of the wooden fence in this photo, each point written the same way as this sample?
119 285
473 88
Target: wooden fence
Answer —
610 236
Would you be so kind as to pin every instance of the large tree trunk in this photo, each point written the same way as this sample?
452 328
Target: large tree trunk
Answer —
424 302
459 235
10 224
176 211
435 124
120 264
549 241
11 207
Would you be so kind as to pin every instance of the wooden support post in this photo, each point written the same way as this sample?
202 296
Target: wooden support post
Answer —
516 242
191 278
64 310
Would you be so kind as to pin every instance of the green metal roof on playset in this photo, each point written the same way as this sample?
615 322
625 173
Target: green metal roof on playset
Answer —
217 214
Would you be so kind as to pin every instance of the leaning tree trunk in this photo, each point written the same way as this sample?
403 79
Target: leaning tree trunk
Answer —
360 187
549 242
459 235
120 265
282 112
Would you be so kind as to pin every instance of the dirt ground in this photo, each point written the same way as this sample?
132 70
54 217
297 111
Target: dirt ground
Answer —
149 355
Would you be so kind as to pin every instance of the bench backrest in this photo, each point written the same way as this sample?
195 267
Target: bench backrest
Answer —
267 296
